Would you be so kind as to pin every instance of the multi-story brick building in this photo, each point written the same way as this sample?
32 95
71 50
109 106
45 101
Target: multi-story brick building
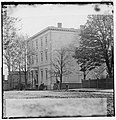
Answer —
40 49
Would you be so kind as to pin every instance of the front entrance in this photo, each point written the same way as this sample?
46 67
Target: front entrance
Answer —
34 77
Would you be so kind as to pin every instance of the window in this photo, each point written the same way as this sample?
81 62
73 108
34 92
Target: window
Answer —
28 46
36 58
37 44
32 44
32 59
46 55
41 56
29 60
46 72
41 75
46 40
41 42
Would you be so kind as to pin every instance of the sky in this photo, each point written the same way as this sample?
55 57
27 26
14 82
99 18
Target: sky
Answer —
34 18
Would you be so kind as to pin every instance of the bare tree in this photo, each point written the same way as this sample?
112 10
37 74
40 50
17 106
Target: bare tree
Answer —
61 64
9 33
20 62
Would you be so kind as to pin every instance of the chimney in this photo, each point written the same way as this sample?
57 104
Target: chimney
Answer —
59 25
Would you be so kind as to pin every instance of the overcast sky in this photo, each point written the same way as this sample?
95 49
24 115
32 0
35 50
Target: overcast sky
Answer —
34 18
37 17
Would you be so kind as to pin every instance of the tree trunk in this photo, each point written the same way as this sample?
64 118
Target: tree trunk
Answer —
25 77
109 69
60 81
19 77
84 74
112 61
25 71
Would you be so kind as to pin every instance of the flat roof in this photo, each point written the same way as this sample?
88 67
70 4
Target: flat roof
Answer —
53 28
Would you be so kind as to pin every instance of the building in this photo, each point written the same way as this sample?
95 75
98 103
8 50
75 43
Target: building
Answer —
40 53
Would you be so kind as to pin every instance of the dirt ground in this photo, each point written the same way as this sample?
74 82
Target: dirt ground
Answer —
57 103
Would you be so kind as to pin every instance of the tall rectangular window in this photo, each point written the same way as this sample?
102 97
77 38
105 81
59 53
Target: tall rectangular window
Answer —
28 46
41 75
46 72
36 58
32 44
36 44
46 55
46 40
32 59
41 56
29 60
41 41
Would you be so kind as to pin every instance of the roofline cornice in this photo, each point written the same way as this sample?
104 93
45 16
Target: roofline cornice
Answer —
53 28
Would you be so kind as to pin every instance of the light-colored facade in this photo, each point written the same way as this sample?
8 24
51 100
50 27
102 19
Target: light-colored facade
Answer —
40 50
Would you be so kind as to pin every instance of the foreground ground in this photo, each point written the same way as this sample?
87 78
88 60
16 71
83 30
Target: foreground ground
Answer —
58 103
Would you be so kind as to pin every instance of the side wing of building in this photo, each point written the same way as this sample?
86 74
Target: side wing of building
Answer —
40 54
64 38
